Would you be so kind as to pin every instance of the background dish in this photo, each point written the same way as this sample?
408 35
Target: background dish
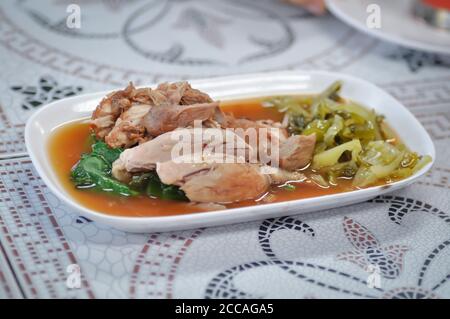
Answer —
41 124
398 25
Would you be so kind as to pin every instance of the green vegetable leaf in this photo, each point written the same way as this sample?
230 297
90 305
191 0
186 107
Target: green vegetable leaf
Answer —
109 154
94 171
331 157
319 127
156 188
335 128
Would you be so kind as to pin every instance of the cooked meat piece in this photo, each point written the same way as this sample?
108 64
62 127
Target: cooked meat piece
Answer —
144 157
222 182
167 96
177 172
214 141
215 182
180 108
173 92
147 96
182 93
128 129
275 136
109 109
279 135
161 118
228 121
193 96
232 122
119 172
226 183
296 152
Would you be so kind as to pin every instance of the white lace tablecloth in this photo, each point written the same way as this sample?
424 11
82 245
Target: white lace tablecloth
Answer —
393 246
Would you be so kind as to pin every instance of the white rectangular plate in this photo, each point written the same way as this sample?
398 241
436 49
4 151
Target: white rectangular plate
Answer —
41 125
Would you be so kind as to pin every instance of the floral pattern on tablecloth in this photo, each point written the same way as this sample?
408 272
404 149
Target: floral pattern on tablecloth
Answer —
395 246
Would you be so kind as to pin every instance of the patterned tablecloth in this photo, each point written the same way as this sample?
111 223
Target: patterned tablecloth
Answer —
392 246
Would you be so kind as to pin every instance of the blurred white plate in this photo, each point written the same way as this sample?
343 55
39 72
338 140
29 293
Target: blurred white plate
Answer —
41 125
398 25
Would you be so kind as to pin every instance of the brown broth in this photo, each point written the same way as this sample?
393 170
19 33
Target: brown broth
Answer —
69 141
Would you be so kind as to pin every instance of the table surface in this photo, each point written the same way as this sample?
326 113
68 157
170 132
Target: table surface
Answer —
399 243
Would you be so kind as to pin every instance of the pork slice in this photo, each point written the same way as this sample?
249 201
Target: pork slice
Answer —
173 92
182 93
165 95
297 151
194 96
108 111
144 157
228 121
267 135
177 172
119 171
215 182
161 119
212 142
128 129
